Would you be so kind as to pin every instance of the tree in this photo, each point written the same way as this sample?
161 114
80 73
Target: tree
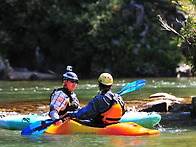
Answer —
92 36
188 32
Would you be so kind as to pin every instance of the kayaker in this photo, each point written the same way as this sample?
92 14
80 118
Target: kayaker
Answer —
105 108
64 99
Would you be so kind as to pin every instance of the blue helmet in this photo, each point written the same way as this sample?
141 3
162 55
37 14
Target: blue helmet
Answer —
70 75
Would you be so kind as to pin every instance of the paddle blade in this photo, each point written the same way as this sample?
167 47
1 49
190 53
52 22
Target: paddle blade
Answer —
132 86
37 128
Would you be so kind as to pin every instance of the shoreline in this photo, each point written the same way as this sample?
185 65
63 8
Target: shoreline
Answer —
42 107
25 108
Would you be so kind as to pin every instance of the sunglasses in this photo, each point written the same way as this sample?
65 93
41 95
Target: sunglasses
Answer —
74 81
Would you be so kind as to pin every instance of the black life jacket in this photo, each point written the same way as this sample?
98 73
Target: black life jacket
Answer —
114 113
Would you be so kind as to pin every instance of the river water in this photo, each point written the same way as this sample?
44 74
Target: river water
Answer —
177 129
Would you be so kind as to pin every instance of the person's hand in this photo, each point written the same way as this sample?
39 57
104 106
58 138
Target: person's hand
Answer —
54 115
58 123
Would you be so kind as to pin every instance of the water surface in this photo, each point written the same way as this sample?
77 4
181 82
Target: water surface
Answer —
177 129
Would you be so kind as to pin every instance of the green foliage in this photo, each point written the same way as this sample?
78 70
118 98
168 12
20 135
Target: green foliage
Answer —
189 32
90 35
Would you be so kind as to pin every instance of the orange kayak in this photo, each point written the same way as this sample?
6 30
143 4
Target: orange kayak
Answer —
72 127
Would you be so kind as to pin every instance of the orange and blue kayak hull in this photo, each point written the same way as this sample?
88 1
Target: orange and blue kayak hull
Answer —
71 127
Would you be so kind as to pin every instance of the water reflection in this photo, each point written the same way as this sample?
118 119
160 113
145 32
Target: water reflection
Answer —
93 140
133 141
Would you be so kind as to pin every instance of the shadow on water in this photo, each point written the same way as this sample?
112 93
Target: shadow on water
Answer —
178 122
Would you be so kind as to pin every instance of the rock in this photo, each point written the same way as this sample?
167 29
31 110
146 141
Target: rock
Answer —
161 107
193 111
133 13
4 68
158 106
164 102
180 108
166 96
183 71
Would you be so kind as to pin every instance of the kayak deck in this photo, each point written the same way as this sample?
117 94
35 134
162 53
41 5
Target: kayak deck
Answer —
19 122
144 119
72 127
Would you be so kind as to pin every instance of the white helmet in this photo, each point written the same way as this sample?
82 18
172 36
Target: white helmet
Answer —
70 75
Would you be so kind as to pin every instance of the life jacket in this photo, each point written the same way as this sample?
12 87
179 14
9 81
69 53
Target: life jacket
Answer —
115 112
71 106
113 115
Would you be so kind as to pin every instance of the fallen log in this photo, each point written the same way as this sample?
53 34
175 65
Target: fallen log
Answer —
21 75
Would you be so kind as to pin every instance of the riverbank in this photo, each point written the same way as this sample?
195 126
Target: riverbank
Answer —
42 107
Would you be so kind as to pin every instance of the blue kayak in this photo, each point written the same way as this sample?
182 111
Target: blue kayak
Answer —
144 119
19 122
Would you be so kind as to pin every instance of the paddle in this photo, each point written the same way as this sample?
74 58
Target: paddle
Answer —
132 86
40 126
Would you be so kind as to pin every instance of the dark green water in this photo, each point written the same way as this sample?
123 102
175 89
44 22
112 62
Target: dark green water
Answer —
177 129
40 90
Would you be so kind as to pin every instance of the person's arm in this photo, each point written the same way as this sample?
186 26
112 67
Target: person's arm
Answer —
94 107
58 102
86 112
122 103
